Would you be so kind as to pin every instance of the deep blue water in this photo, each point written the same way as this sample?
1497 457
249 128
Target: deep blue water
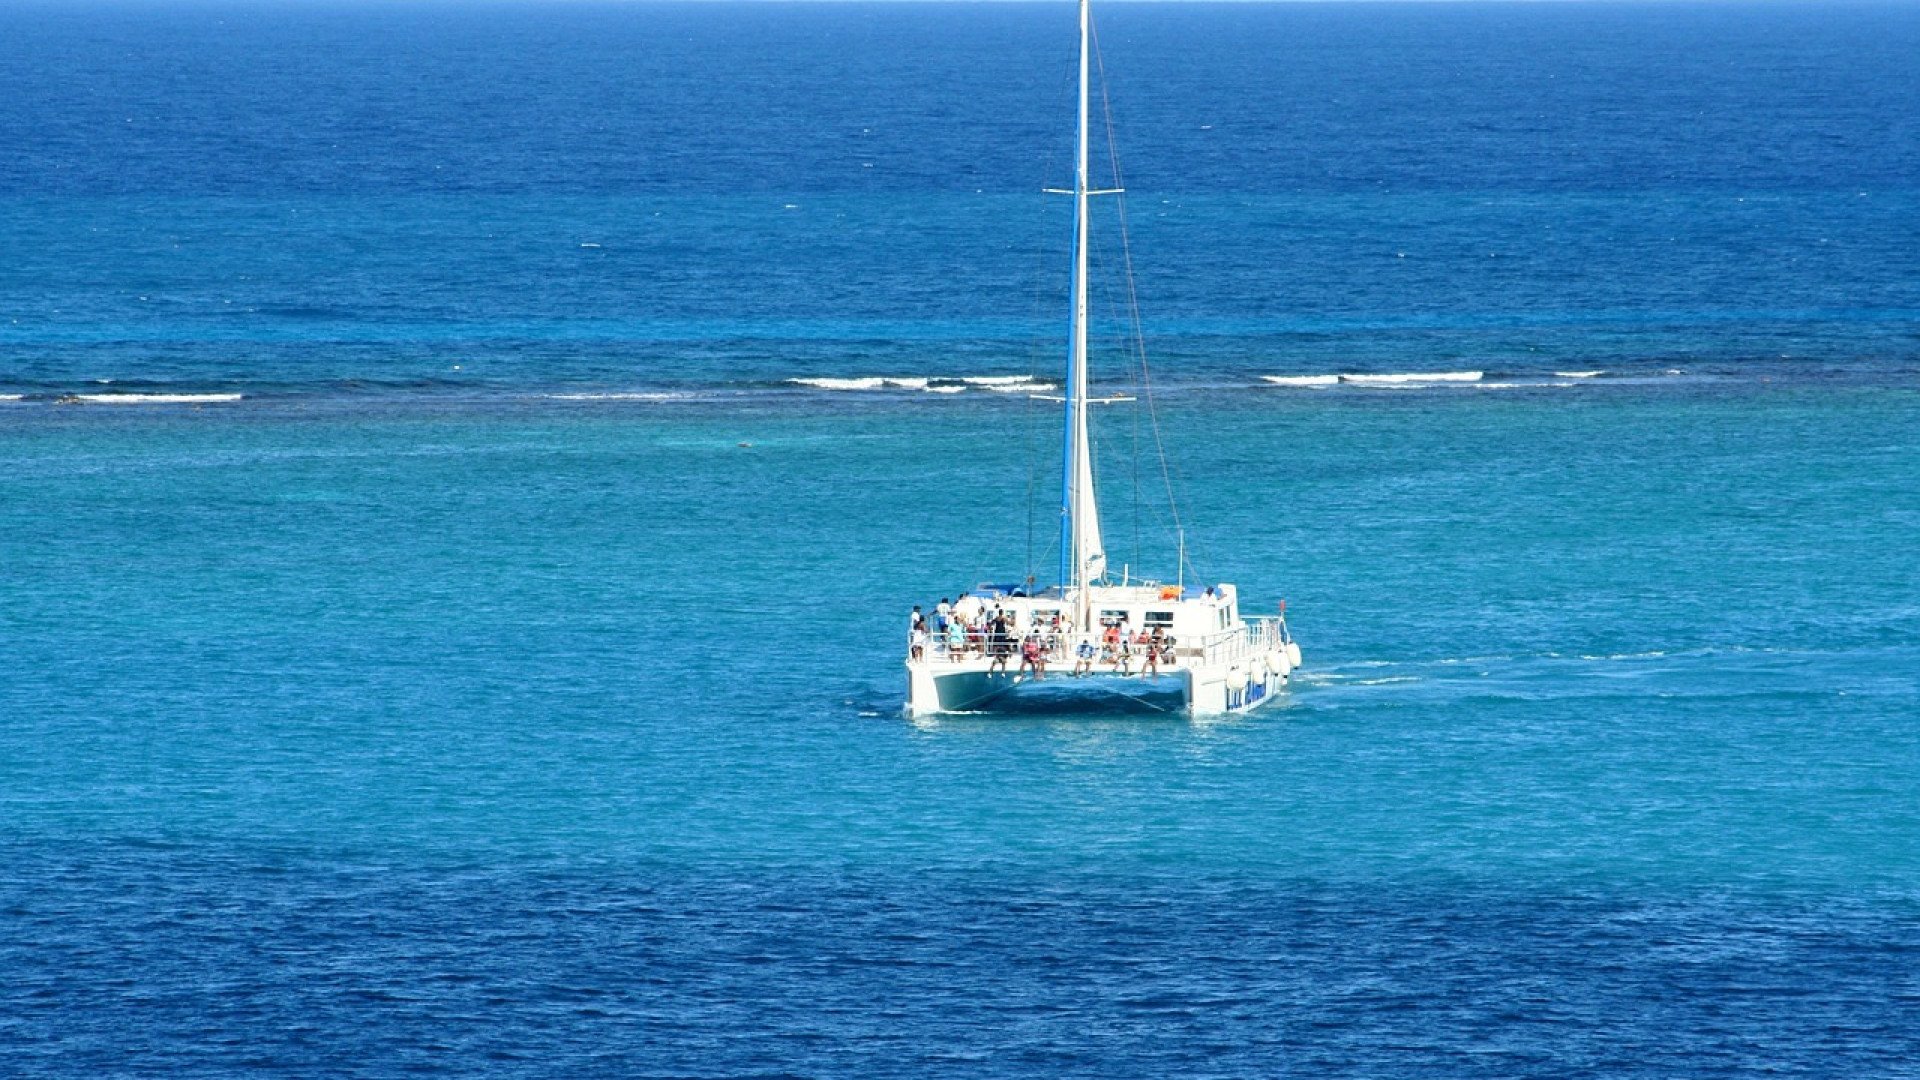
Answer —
454 534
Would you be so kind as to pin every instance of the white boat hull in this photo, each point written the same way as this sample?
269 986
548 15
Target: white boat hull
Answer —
940 685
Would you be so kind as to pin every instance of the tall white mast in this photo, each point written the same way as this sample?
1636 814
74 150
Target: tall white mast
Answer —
1082 554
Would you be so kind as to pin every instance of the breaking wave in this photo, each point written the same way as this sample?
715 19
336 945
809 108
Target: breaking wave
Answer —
1414 378
1482 380
1409 379
931 384
152 399
633 396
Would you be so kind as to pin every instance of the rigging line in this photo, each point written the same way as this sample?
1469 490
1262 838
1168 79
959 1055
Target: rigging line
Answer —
1133 301
1031 453
1036 348
1111 300
1133 454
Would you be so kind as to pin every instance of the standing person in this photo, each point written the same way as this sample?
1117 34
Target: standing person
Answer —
917 642
940 614
956 640
1152 646
966 610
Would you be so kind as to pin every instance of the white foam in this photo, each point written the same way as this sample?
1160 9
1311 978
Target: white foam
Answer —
931 384
10 397
1413 378
619 397
1654 655
1302 380
1578 374
869 383
155 399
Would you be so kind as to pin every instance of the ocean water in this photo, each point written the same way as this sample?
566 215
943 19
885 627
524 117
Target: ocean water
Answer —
463 472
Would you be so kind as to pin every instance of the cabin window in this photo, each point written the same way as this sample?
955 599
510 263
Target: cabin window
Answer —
1159 618
1112 618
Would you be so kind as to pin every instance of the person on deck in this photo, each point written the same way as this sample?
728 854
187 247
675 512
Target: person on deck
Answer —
1083 658
1031 657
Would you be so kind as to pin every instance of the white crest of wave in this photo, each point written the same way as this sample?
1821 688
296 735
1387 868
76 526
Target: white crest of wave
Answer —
10 397
1578 374
933 384
155 399
1413 378
1302 380
620 397
873 382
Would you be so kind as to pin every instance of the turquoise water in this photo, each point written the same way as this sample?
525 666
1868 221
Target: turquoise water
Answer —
1598 635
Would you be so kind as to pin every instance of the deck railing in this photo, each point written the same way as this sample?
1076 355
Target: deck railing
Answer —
1255 637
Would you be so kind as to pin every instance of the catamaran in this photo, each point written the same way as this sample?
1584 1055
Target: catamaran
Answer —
1089 636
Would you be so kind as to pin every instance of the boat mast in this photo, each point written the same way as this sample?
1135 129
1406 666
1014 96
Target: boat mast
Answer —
1082 556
